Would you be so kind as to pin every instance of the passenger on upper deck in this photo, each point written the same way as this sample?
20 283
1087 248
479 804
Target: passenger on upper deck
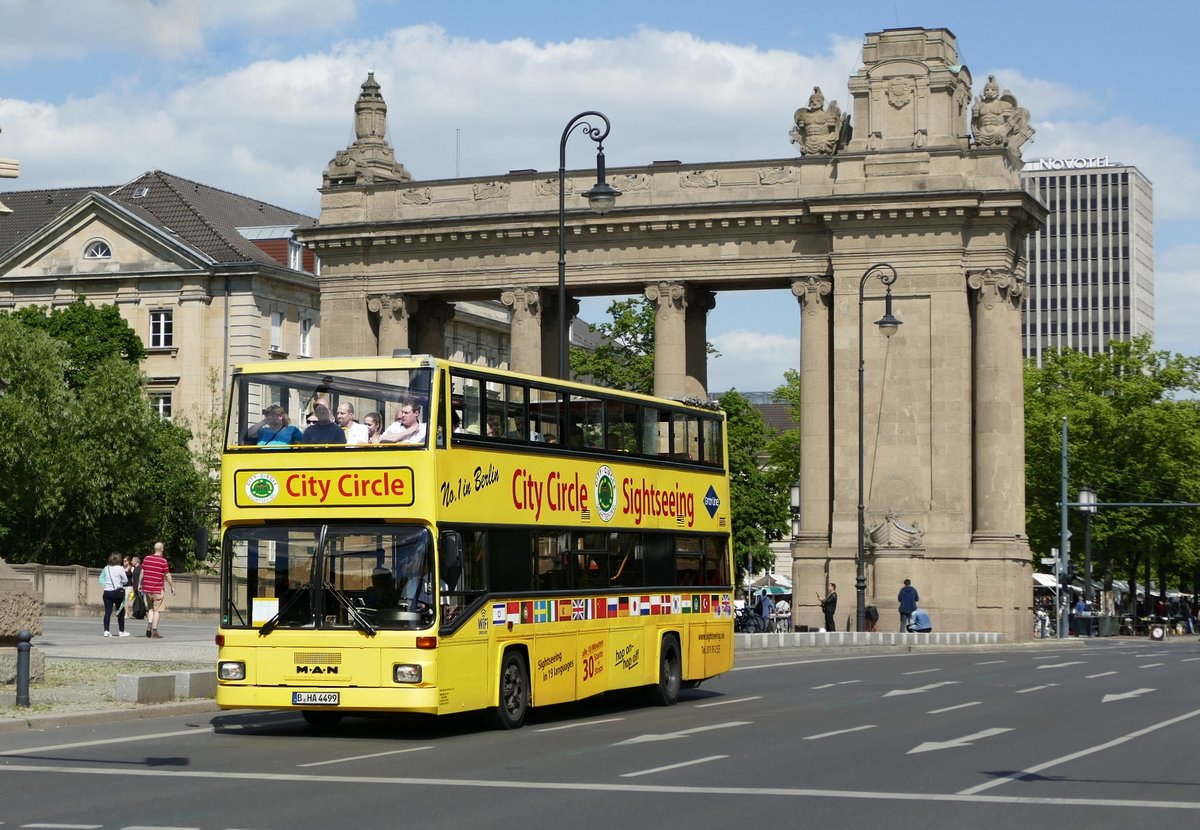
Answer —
356 433
407 428
274 430
324 431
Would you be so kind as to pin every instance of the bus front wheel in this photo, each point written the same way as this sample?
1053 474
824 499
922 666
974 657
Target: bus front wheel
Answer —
514 691
670 675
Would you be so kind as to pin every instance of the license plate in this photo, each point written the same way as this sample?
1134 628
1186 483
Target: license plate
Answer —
315 698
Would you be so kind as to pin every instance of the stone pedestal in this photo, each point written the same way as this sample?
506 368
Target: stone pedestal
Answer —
20 609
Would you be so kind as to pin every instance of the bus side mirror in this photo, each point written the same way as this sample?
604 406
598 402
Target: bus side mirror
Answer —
450 548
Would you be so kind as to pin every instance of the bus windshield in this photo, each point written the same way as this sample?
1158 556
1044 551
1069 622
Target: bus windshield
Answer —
330 576
357 408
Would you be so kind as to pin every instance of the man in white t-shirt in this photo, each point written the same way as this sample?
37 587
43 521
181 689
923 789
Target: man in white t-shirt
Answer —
407 428
356 433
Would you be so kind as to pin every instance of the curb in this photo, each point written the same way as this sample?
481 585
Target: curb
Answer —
161 710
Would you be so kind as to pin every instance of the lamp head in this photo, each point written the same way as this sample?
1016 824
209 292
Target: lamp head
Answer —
602 197
888 323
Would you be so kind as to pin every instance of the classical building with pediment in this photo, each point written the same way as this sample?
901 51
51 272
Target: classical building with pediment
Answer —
208 279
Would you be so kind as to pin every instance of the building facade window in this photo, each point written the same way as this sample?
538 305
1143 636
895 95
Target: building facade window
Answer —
276 331
295 255
162 328
97 249
160 402
306 325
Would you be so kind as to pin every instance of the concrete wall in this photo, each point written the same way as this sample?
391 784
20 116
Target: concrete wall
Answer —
74 591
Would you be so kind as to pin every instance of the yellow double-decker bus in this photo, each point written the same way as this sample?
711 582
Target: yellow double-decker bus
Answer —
410 534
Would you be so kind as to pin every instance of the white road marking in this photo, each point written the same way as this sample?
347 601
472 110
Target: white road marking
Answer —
952 708
364 757
1048 657
64 826
922 671
723 702
987 785
1153 654
1189 659
1151 665
683 733
673 766
965 740
839 732
1101 674
920 689
621 787
107 741
990 662
1063 665
576 725
1125 695
1035 688
839 683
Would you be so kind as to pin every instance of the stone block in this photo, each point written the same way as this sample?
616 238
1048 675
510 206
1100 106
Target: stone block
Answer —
146 688
195 684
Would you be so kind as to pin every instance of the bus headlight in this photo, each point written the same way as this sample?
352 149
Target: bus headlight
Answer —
406 673
231 670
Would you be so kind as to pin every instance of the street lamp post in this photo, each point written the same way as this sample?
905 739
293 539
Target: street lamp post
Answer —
1087 503
888 325
601 199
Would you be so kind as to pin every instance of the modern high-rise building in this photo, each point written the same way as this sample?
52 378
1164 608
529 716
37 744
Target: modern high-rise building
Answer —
1091 267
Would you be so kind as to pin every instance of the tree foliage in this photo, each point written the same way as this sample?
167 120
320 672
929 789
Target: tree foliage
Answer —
758 511
86 467
624 359
1131 437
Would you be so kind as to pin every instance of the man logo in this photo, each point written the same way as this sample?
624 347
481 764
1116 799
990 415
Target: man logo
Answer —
262 488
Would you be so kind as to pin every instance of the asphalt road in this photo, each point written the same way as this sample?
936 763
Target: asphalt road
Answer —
1096 734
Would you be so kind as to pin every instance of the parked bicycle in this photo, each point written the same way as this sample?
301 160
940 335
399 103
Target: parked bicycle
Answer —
747 622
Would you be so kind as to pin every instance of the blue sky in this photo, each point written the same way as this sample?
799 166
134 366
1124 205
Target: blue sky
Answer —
256 97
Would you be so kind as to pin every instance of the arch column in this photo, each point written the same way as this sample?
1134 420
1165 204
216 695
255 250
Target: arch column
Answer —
815 296
675 351
526 329
699 303
999 401
428 329
395 311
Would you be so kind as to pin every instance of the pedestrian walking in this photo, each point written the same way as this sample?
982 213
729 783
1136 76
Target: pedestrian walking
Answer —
113 580
156 578
908 603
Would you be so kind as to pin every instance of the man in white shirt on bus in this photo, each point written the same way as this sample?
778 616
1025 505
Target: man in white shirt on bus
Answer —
407 428
356 433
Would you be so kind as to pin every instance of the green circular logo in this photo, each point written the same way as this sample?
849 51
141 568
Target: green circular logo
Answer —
606 493
262 488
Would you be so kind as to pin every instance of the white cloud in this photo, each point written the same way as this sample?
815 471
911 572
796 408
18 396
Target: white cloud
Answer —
751 361
1177 296
168 29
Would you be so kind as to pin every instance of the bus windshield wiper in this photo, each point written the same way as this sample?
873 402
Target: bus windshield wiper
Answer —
270 624
360 622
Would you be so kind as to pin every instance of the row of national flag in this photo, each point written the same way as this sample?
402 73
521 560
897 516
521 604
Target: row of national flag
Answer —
532 611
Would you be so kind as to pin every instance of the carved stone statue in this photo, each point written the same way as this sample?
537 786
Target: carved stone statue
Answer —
818 131
997 121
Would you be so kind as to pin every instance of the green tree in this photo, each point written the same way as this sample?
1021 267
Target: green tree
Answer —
757 512
86 467
91 333
1132 438
625 357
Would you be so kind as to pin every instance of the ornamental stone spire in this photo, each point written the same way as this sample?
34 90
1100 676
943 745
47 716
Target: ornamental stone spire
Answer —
370 158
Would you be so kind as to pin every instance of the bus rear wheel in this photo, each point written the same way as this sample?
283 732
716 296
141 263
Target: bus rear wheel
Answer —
670 675
514 691
321 719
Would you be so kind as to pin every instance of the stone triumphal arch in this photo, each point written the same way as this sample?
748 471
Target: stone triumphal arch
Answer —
918 175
